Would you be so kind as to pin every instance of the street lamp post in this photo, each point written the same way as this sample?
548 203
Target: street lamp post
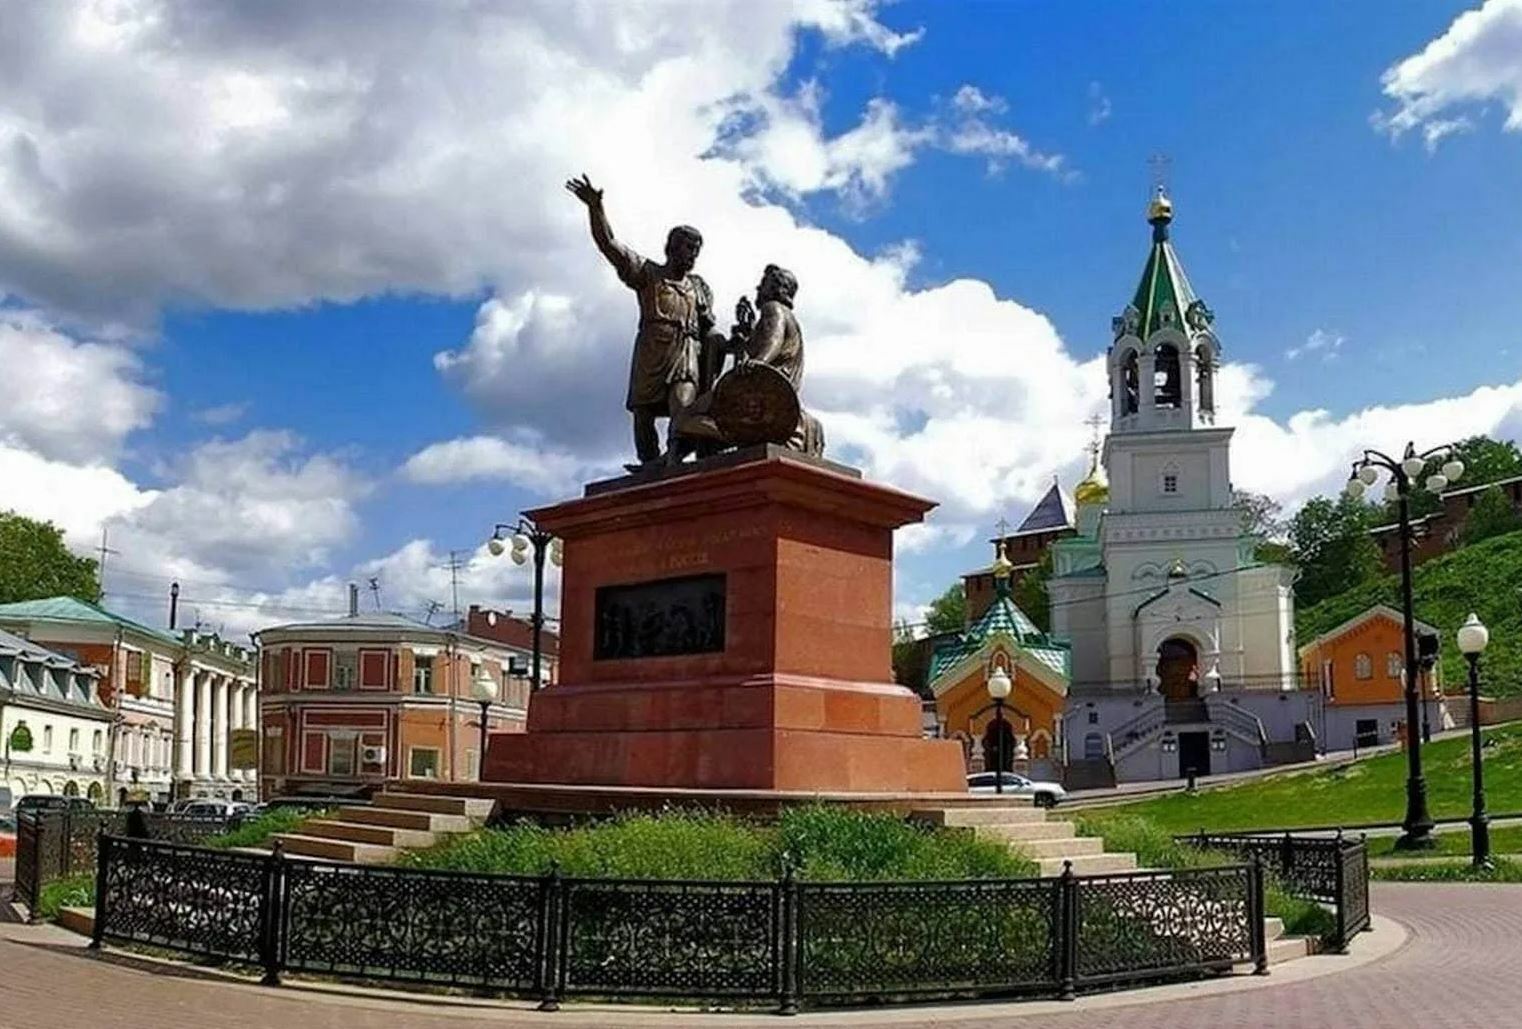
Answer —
1472 639
1417 825
999 685
483 690
526 536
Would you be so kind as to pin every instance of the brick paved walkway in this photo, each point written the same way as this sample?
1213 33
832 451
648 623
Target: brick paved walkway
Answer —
1457 969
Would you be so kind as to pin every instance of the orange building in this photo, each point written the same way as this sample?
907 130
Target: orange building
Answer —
347 704
1359 667
1003 637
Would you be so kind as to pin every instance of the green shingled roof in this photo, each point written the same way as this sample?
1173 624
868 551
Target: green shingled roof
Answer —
1163 282
1003 618
72 609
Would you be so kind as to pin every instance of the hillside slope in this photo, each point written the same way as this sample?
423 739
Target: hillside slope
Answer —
1485 578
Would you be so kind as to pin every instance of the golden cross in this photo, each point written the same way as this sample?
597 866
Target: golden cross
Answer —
1160 163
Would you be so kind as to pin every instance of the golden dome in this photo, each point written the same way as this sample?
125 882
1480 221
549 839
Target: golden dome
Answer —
1003 566
1161 208
1094 489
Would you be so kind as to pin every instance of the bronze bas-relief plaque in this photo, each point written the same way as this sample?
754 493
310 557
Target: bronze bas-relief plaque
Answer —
665 618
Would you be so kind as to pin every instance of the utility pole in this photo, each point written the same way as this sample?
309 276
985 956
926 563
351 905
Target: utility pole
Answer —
100 567
454 566
375 590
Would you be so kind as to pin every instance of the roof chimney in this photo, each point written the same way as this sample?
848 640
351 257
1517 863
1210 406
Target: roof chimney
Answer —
353 600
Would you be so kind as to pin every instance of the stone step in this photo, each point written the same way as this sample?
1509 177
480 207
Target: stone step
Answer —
335 850
1273 928
1068 846
421 821
1027 831
1288 948
77 920
1089 864
438 804
360 832
993 814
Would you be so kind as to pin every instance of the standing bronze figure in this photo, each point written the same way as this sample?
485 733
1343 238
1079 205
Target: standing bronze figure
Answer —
676 324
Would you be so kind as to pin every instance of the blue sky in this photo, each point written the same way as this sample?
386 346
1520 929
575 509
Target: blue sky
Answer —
302 304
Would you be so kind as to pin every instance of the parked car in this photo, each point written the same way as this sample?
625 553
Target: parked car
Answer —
1045 794
42 803
211 807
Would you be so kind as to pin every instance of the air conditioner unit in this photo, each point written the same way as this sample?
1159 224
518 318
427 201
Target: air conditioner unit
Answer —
371 754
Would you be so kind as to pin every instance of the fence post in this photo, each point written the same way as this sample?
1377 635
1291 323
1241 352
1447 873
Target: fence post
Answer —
1340 945
553 901
34 821
1257 908
66 857
1067 934
790 947
270 923
1286 856
98 925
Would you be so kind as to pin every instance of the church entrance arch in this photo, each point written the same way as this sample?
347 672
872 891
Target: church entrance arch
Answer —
999 747
1178 669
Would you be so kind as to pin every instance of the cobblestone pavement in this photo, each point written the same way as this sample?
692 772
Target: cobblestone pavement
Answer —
1458 968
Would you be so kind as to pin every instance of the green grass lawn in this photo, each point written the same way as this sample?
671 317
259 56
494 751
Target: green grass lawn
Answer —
1372 790
1506 839
822 842
1504 870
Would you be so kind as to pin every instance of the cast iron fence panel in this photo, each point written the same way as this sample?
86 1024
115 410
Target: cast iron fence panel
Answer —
31 862
705 939
412 925
208 902
884 939
1138 925
1331 870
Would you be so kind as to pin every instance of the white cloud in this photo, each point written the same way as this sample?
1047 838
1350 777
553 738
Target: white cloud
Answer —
1099 104
1477 60
535 467
1320 341
969 99
221 414
68 399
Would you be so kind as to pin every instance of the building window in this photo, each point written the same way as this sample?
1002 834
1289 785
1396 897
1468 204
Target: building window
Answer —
73 741
1363 667
341 755
95 742
1093 717
422 675
1394 664
47 739
423 763
345 673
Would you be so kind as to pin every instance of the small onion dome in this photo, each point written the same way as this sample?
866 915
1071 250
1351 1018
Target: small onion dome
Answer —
1094 490
1160 209
1003 566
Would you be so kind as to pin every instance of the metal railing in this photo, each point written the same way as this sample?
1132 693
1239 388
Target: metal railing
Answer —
1331 870
59 844
787 942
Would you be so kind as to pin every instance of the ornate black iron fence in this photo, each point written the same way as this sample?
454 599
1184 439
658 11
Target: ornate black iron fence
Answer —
59 844
780 942
1332 870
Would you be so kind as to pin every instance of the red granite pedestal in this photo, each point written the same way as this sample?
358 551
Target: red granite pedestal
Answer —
799 694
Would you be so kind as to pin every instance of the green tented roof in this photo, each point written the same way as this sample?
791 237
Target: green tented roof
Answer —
1003 618
1163 281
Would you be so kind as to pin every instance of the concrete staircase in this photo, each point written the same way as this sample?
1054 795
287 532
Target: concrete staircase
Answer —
1027 830
392 823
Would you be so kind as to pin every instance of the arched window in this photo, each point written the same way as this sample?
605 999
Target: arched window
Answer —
1168 391
1363 667
1394 664
1205 375
1130 383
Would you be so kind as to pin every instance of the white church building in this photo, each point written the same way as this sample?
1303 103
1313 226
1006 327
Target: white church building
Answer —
1183 650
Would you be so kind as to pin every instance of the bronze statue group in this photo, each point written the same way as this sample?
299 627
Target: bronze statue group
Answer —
715 391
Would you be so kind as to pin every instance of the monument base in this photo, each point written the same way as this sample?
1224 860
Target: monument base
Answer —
769 574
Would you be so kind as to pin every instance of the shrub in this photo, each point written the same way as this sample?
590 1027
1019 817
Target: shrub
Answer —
75 891
1153 845
257 833
835 843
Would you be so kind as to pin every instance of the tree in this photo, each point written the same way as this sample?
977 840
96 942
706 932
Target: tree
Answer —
1030 593
34 563
1330 542
948 612
1492 515
1262 515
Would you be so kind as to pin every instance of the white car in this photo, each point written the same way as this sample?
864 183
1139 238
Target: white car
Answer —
210 807
1045 794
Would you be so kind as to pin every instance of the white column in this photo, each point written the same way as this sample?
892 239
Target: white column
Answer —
184 720
238 720
251 721
219 710
203 725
